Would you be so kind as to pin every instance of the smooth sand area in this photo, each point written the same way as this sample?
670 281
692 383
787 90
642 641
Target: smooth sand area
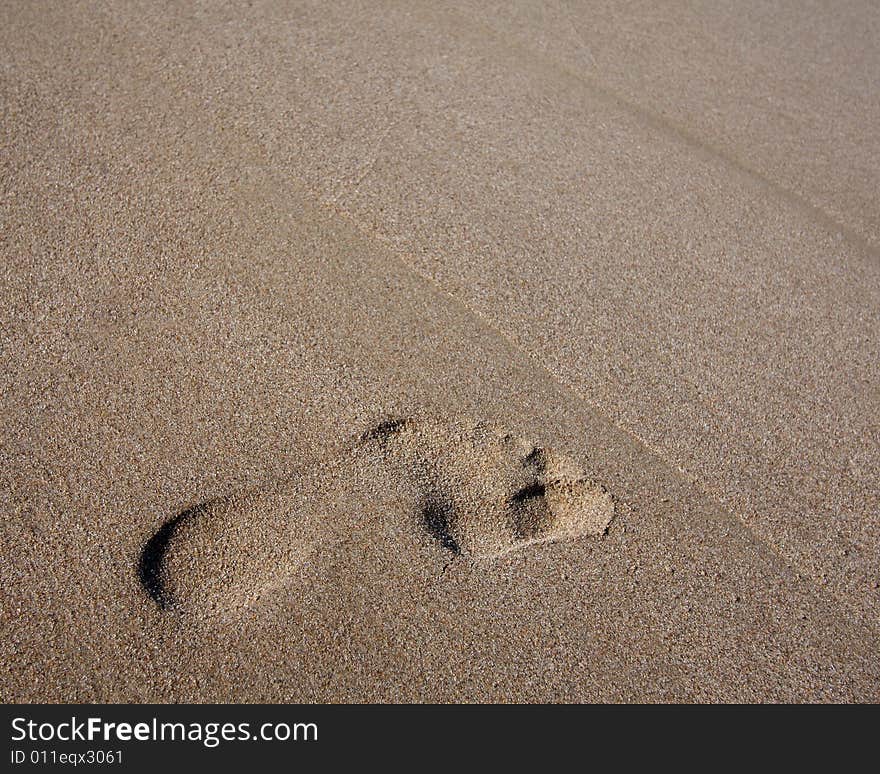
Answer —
390 352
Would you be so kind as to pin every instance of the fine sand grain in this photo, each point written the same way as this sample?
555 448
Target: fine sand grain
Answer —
405 352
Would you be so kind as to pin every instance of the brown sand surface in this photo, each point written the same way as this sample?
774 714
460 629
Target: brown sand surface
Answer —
641 241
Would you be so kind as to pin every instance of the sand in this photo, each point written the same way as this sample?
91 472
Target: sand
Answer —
483 352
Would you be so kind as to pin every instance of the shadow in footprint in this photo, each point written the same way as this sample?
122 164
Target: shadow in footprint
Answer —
151 565
437 517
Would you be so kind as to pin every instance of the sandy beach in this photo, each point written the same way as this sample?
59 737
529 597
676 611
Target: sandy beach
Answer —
416 352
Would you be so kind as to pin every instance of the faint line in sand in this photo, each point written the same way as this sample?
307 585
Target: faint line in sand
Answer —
351 185
652 120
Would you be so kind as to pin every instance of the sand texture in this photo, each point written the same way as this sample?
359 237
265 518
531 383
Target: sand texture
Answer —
440 352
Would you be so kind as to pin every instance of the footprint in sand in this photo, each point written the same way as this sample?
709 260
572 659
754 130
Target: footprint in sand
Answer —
474 489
